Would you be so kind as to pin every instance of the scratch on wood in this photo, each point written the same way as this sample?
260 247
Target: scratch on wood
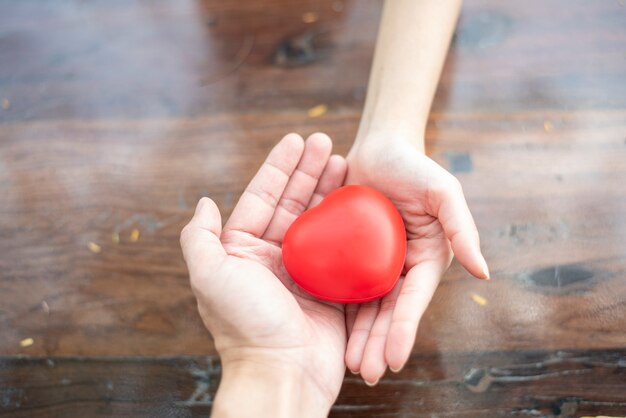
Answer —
364 407
206 383
242 55
405 382
480 380
11 397
524 234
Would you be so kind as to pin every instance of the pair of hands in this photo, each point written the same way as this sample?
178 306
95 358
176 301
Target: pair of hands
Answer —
262 321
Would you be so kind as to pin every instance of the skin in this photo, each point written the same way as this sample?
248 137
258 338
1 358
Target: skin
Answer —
282 350
388 154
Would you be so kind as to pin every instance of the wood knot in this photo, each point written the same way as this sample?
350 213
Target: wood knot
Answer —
560 276
297 51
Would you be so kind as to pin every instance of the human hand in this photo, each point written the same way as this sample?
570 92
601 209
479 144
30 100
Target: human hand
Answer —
270 334
438 223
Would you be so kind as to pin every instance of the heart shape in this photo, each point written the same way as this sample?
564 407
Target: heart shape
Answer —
349 249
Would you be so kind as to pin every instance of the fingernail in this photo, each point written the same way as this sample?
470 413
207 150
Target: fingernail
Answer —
396 370
371 384
353 372
485 269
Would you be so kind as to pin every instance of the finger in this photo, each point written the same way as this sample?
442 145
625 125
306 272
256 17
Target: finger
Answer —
332 178
257 204
351 311
200 241
450 207
301 186
374 364
415 294
363 323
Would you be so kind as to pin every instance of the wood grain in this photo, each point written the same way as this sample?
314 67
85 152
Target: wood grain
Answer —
541 199
191 58
559 384
116 117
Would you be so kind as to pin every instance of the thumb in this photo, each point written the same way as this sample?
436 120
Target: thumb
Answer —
200 241
449 206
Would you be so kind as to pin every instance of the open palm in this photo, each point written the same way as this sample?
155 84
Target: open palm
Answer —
245 297
438 223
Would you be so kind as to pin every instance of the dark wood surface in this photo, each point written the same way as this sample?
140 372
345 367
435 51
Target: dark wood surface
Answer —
119 116
487 384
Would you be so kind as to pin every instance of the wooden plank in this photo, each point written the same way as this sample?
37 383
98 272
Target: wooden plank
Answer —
114 59
542 200
549 384
111 126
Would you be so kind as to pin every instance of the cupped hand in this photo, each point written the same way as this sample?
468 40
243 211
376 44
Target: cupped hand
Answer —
246 299
438 224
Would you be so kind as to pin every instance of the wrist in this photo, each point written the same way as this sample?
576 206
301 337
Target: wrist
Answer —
390 133
374 143
263 386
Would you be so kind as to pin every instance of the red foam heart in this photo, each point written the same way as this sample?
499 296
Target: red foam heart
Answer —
348 249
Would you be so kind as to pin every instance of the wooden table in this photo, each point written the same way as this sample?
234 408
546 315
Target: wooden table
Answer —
118 116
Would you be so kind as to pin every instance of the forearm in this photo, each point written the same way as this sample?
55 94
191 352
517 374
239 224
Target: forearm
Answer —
412 43
254 389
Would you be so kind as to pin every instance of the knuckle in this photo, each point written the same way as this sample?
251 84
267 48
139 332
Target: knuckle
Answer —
185 234
292 206
454 183
266 196
205 203
447 189
413 291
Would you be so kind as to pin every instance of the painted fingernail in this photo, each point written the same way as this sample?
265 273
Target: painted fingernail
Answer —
370 384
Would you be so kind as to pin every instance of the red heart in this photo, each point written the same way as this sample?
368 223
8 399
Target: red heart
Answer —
349 249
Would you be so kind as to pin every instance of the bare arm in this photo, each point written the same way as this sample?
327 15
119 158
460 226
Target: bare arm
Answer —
411 48
388 154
